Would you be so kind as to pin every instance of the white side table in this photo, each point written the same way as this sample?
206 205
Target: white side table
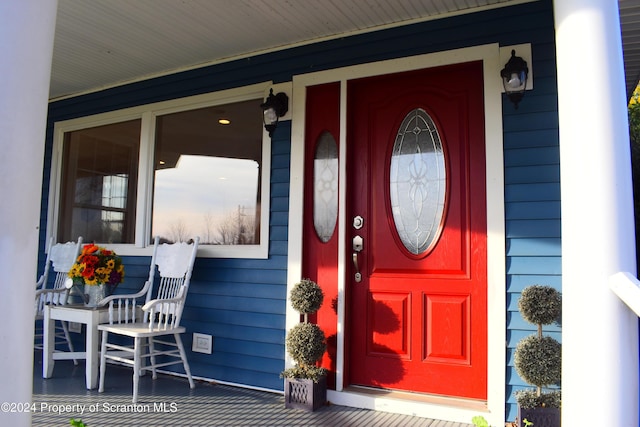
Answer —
91 317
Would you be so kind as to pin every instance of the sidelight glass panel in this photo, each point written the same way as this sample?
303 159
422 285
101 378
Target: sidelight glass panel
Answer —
417 182
325 182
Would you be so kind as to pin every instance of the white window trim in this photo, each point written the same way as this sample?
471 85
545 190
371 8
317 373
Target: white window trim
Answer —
148 113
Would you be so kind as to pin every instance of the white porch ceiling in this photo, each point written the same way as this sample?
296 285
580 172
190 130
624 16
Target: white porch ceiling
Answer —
104 43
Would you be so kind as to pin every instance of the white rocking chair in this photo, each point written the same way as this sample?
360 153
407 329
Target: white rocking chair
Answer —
160 318
60 257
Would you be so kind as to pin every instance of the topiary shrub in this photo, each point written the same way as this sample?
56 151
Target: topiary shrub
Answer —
540 305
529 399
538 358
306 342
306 297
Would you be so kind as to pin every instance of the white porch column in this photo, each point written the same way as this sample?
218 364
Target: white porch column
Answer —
26 46
599 333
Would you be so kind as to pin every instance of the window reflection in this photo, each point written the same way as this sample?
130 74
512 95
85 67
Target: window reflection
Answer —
207 175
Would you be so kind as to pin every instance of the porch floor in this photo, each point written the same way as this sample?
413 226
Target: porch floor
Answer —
168 401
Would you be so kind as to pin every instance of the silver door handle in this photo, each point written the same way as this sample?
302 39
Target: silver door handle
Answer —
358 245
357 276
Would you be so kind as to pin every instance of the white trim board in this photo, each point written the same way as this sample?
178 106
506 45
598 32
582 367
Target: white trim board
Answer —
494 408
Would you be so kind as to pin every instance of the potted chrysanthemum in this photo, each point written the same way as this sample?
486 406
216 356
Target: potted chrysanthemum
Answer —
97 271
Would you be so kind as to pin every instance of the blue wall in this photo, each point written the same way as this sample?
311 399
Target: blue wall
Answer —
242 302
532 200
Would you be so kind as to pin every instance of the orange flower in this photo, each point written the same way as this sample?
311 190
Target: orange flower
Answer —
88 272
89 249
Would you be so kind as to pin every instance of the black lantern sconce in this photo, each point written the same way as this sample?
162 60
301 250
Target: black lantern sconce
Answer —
274 107
514 78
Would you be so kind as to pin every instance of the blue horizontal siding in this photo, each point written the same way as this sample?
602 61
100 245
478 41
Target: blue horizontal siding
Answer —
522 173
546 209
532 191
533 247
531 156
242 302
278 247
543 228
531 138
247 290
517 282
534 265
532 120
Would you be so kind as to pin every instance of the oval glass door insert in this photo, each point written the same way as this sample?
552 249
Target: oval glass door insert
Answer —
325 186
417 182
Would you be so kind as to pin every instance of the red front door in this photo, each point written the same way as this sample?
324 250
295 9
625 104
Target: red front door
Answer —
417 287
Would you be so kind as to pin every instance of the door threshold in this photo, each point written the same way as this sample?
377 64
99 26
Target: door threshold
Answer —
433 399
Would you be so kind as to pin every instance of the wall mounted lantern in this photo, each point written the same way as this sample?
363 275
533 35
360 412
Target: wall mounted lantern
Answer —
274 107
514 78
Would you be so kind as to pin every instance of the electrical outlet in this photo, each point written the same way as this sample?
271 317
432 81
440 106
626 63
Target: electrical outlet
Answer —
75 327
202 343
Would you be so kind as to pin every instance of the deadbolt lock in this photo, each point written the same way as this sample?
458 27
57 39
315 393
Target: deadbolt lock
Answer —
358 222
358 243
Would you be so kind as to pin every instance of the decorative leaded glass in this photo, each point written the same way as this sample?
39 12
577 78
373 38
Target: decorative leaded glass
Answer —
325 183
417 182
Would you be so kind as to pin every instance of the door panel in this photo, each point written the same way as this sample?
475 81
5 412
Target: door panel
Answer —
388 320
447 328
417 318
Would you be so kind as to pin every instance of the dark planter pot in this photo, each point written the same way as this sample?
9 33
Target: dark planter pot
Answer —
304 393
540 417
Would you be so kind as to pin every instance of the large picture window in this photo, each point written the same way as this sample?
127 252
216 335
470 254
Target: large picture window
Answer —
175 170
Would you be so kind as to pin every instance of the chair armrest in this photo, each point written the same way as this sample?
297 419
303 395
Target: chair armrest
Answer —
125 309
141 293
52 292
50 296
163 312
40 283
154 302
